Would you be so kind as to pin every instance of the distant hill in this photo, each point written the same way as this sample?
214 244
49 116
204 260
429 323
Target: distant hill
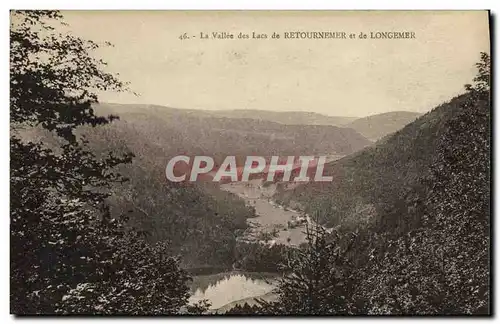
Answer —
196 132
377 126
286 117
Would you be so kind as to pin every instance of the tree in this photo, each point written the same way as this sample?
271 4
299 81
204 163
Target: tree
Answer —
244 309
319 277
140 279
482 80
68 255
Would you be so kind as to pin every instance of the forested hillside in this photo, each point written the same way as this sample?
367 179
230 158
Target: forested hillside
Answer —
383 179
419 205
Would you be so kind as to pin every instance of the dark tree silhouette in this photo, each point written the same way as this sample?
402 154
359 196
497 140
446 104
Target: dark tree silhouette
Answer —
319 277
68 255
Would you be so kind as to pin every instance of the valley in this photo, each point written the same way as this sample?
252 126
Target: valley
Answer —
141 209
270 217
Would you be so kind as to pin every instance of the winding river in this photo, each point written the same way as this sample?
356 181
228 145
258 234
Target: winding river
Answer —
227 289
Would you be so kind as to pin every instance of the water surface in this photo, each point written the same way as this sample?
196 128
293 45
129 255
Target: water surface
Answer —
226 288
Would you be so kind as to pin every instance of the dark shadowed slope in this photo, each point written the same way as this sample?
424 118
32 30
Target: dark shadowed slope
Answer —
419 202
388 182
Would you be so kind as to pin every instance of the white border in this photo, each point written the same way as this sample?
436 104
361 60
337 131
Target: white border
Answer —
256 4
199 5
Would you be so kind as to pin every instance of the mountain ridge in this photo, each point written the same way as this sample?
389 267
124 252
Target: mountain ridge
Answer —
374 127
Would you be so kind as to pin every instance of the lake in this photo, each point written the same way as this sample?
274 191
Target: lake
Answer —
231 288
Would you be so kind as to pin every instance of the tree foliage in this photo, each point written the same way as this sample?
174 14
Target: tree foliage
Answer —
68 255
319 276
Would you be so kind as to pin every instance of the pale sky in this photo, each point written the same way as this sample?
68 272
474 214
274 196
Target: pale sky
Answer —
351 77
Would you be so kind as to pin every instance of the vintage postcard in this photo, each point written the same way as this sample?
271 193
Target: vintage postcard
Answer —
250 163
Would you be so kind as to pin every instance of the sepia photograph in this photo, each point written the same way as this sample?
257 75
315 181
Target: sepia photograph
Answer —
250 163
